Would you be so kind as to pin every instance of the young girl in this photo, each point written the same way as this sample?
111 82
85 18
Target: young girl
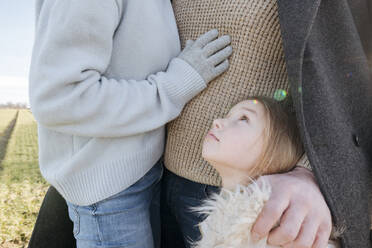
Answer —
105 78
257 137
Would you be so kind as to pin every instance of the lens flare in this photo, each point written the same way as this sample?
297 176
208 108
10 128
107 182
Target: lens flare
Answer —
280 95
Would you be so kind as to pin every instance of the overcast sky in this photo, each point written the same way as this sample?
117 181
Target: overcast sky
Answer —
17 35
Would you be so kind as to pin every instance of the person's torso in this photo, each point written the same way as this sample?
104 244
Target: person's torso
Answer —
257 67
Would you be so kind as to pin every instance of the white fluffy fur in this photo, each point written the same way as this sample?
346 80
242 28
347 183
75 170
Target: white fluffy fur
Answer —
231 215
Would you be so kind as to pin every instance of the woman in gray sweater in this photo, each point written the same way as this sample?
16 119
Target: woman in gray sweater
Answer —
105 78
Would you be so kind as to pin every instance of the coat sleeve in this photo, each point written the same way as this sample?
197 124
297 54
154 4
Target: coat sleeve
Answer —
68 90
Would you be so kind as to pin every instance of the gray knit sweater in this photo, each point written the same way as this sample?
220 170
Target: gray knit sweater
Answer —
102 85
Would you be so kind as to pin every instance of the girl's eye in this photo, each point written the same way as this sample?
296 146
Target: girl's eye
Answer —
244 118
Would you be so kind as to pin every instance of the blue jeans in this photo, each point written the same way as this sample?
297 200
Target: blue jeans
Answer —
178 223
122 220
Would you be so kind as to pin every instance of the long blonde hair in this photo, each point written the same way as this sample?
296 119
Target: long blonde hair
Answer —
282 143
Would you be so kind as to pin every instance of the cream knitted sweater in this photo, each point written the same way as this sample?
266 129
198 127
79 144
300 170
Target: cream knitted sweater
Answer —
257 67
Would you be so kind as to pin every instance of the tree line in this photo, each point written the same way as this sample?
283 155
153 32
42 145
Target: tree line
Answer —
18 105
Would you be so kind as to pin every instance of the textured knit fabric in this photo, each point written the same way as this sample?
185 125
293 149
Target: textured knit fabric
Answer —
257 67
99 94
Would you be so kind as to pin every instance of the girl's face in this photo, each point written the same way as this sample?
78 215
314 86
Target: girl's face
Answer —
236 141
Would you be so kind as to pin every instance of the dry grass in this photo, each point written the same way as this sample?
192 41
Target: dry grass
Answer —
7 121
6 116
22 188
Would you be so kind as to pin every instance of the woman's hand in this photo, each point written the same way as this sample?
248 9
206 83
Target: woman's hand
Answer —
299 208
208 54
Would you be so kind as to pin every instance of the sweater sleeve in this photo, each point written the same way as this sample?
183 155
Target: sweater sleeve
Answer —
68 90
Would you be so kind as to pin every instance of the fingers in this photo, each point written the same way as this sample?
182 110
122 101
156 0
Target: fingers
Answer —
216 45
310 234
288 245
222 67
307 234
195 52
320 242
189 43
207 37
220 56
322 236
269 216
290 225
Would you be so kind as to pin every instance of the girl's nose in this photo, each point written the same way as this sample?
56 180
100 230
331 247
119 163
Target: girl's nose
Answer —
218 123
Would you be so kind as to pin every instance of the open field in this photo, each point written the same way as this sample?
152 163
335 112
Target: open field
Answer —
22 188
7 121
6 116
